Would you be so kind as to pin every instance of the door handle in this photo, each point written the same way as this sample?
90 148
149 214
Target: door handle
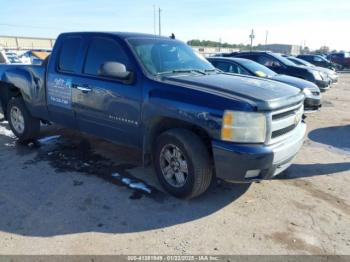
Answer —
84 89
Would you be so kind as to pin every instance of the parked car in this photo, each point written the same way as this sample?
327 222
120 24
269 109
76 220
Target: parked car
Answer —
244 66
34 57
330 73
282 65
7 57
342 59
318 60
155 94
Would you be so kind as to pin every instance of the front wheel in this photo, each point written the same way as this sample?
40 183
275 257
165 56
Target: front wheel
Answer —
183 164
22 124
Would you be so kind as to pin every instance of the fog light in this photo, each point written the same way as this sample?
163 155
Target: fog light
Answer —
252 173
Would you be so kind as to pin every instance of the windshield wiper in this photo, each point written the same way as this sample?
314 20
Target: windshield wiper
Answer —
211 70
189 71
179 71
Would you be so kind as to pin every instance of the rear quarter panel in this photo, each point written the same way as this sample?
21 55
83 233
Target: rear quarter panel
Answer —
30 80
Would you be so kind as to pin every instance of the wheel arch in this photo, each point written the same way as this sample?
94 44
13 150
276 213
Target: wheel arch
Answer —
7 91
162 124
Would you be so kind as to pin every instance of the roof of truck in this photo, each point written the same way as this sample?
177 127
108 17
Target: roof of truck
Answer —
122 35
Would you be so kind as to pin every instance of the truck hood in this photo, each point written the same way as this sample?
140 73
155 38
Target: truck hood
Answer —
264 94
294 81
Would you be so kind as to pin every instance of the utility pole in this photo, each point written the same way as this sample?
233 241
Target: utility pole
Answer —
160 21
267 34
154 20
251 36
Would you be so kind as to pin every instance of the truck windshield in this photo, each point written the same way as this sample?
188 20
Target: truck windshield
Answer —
161 56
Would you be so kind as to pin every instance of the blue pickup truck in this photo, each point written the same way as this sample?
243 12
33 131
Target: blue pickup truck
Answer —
193 122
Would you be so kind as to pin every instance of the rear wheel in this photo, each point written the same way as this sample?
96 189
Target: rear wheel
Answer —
182 163
22 124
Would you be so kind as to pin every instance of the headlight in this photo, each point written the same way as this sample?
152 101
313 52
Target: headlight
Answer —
316 75
243 127
307 92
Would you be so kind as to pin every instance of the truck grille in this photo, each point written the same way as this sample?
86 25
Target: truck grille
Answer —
282 131
282 122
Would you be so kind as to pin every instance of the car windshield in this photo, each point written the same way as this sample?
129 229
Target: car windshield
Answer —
301 61
257 69
162 56
283 60
323 59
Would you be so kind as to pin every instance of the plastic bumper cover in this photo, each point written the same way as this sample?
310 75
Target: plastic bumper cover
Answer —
234 161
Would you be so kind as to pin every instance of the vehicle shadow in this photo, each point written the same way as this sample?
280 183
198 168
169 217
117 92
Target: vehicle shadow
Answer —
335 139
310 170
338 137
39 197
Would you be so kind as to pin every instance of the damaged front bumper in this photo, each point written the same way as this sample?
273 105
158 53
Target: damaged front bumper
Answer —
248 163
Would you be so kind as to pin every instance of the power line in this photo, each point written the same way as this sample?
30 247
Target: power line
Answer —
154 20
30 26
160 22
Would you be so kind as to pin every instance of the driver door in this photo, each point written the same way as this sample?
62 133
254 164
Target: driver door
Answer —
104 106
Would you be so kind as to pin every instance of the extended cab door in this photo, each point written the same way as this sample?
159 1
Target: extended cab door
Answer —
62 69
106 106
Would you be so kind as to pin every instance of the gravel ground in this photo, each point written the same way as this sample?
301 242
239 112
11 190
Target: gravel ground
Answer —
75 194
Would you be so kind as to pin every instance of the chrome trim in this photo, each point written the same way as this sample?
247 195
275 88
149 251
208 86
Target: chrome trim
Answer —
288 148
285 152
283 122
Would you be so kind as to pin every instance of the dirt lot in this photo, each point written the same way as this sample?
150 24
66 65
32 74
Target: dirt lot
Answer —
58 196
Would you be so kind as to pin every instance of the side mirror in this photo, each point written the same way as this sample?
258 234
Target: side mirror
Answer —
115 70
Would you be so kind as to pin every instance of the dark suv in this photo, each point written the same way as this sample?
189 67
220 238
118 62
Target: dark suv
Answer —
341 59
282 65
318 60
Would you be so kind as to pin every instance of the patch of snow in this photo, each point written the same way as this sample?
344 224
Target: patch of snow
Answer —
115 175
136 185
12 144
48 140
6 132
126 181
140 186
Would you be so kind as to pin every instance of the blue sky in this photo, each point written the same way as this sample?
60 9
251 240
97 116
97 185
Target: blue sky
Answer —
315 22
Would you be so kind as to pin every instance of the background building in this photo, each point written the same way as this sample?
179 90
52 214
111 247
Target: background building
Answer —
280 48
209 51
26 43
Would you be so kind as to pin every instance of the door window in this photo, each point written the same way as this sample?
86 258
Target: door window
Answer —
231 68
102 50
268 61
317 59
69 53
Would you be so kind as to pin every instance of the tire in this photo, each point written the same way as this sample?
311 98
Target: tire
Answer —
194 152
31 125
